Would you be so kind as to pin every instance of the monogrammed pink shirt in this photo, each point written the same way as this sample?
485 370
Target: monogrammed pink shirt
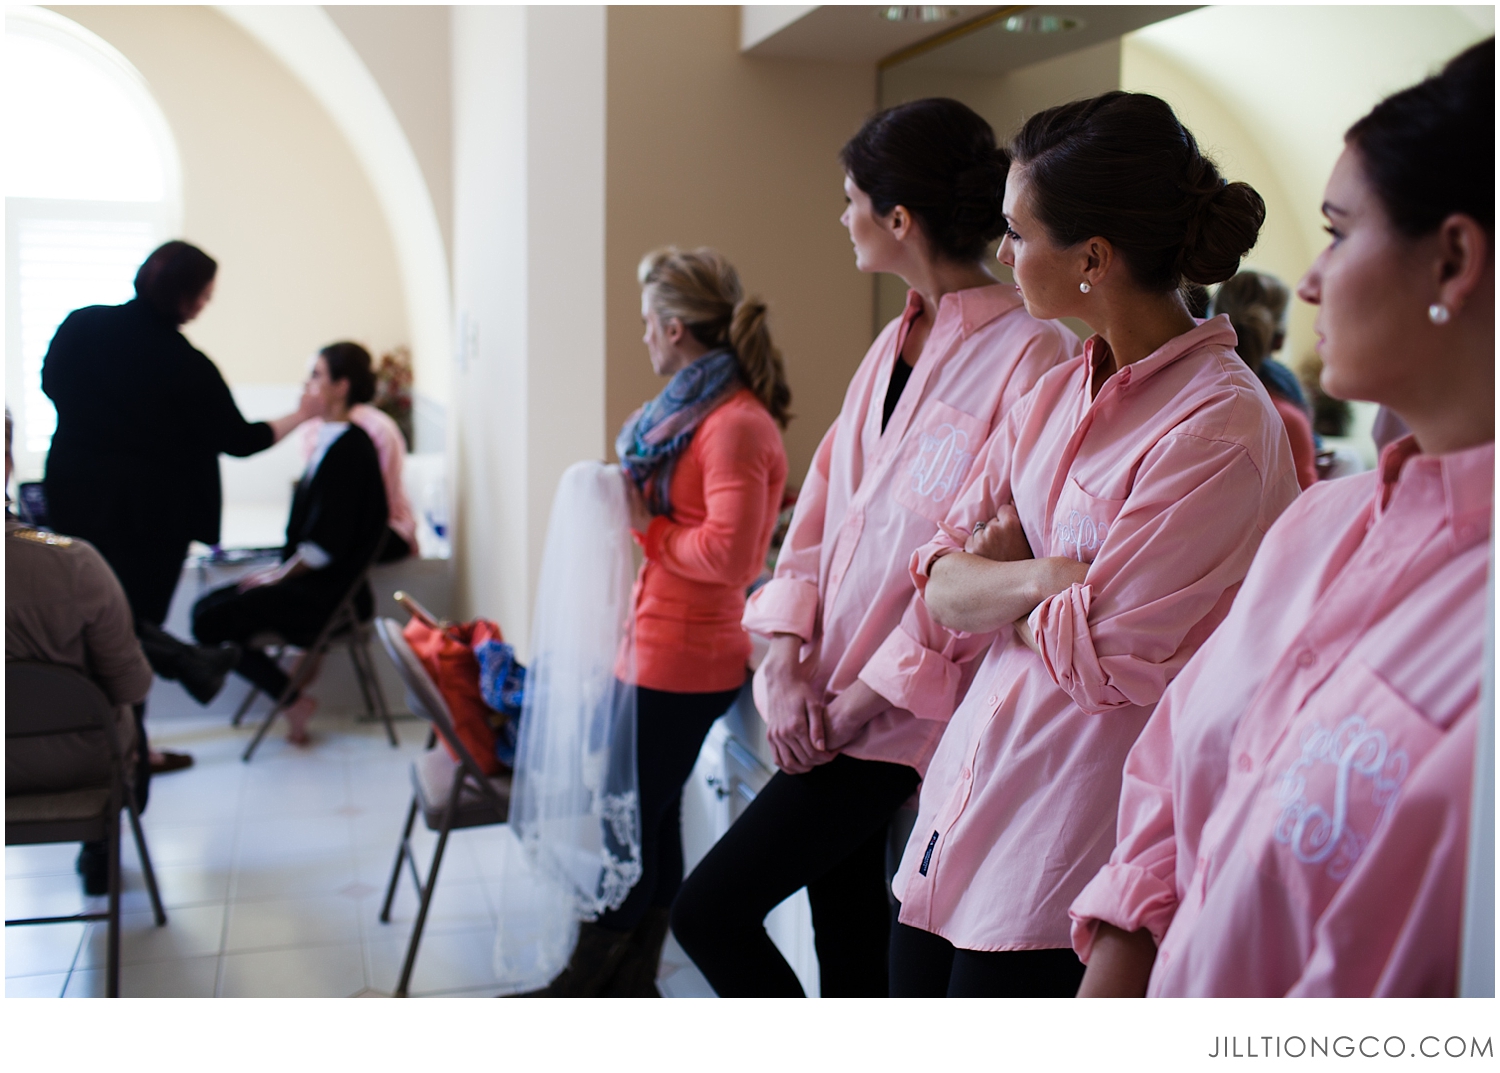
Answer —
870 499
1294 817
1164 484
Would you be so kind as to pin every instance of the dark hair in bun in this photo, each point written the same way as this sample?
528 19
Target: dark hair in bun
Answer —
351 362
1120 166
1429 151
937 158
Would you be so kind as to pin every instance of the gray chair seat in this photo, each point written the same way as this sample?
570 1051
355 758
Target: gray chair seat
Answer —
75 816
432 776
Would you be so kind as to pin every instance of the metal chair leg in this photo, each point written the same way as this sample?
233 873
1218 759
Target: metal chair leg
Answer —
145 856
244 706
416 931
112 939
403 848
370 675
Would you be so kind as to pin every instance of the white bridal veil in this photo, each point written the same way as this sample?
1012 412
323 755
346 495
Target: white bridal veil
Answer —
575 810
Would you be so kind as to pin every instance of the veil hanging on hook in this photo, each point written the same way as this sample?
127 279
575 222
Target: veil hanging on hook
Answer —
575 805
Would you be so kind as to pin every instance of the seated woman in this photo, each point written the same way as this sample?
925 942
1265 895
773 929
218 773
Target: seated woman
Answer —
390 445
338 518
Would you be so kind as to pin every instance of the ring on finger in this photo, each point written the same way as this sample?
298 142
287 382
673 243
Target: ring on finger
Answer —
979 525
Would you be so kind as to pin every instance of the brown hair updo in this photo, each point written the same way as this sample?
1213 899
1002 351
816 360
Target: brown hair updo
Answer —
1120 166
1429 150
938 158
351 362
702 289
1255 304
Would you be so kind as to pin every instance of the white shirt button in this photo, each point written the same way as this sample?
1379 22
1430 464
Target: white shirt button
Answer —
1306 658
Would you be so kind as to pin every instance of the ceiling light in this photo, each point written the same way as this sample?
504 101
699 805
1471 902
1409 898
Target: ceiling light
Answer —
916 14
1040 24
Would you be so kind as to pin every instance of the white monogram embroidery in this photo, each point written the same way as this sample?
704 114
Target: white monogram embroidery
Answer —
1080 533
1353 748
941 462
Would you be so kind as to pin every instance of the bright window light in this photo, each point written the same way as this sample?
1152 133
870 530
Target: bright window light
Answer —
72 131
65 265
91 187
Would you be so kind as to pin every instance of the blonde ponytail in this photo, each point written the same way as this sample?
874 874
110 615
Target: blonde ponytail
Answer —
760 361
702 289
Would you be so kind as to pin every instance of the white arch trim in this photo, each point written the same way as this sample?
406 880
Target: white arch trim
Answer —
318 54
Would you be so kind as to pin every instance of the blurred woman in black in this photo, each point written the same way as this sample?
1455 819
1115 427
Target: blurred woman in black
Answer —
142 417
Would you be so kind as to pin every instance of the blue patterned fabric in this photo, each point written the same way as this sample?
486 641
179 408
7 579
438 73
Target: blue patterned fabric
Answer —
656 434
502 684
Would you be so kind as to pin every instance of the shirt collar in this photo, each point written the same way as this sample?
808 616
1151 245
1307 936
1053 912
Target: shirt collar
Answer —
1468 479
1216 331
974 306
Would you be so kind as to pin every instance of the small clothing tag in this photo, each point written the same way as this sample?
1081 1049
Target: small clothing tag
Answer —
927 857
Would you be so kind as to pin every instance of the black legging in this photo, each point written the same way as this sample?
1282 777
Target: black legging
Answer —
825 831
924 965
226 614
670 728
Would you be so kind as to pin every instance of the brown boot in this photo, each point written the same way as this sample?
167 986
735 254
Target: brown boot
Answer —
596 956
636 976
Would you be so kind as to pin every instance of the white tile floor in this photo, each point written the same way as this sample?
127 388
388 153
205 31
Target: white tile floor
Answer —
272 875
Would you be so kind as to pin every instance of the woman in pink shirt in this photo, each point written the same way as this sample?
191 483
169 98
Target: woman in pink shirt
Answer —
1294 817
705 471
1144 472
923 182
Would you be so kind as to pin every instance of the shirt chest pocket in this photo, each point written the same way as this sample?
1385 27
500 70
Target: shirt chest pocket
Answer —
1081 523
1332 781
935 459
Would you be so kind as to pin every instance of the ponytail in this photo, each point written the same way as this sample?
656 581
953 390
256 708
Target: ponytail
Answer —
760 361
702 289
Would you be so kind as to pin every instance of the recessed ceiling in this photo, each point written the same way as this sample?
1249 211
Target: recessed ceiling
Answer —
1038 33
854 33
1009 36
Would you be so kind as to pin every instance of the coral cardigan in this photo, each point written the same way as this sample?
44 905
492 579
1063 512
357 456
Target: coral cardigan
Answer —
690 594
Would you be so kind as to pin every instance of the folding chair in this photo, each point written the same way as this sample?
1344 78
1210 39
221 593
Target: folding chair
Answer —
66 781
451 794
342 627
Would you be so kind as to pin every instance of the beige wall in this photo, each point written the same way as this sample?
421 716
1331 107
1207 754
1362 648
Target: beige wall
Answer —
270 189
528 285
408 50
708 147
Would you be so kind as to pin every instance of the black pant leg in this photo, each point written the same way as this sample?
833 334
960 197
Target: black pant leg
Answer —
852 922
1015 974
670 728
921 963
226 614
798 828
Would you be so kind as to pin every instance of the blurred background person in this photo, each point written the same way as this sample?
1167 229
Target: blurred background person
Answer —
142 417
1256 304
64 605
339 515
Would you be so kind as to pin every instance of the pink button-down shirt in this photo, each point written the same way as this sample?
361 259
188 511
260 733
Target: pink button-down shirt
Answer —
870 499
1164 484
1293 817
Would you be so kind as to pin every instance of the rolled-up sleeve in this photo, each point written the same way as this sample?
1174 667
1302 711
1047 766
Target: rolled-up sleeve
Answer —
1138 887
1174 559
788 603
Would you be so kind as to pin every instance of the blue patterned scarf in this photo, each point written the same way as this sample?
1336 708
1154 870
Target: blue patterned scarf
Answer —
653 436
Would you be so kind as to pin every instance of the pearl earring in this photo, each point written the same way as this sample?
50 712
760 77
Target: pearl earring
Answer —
1084 287
1438 313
